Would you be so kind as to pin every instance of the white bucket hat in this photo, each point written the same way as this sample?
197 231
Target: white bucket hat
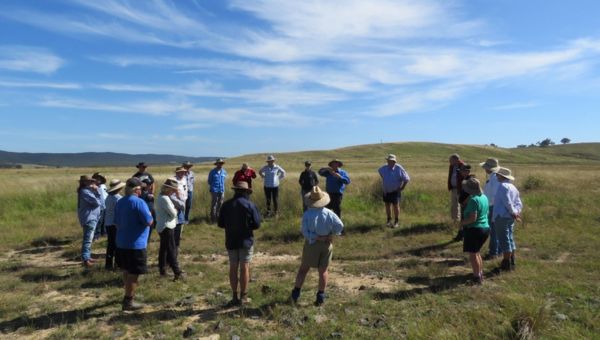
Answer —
506 173
391 157
490 164
270 158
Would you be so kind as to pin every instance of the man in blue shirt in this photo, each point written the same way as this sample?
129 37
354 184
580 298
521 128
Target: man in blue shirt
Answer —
335 184
216 184
394 179
132 220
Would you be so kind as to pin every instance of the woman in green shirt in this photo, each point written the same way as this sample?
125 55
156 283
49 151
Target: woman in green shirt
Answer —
475 225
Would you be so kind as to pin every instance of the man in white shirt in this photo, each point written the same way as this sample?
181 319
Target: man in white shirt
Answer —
507 210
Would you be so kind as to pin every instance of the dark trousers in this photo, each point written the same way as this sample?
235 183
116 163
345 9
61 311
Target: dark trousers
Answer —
335 204
167 252
304 192
100 228
177 234
188 205
272 194
111 246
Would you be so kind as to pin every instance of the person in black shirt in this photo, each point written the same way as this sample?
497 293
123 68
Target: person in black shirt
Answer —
143 175
308 179
239 217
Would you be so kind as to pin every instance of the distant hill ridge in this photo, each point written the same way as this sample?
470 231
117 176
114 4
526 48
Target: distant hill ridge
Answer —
90 159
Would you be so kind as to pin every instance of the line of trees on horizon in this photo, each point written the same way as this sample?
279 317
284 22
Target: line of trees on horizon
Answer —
545 143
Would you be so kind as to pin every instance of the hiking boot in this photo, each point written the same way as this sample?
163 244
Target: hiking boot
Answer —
396 224
320 299
162 272
389 223
295 295
179 276
505 265
130 305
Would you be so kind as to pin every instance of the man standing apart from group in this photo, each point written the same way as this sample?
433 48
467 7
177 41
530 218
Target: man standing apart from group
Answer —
272 174
239 217
507 210
132 220
308 179
394 179
191 180
454 183
244 174
491 166
335 184
216 184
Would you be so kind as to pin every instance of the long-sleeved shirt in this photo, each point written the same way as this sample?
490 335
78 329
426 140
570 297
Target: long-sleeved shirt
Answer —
88 206
103 195
320 222
191 180
507 201
272 175
109 213
239 217
166 214
216 180
308 179
334 184
244 176
393 178
491 187
182 188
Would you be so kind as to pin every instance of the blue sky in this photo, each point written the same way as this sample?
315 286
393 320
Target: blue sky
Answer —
234 77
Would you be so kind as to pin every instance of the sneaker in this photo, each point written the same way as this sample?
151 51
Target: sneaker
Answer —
396 224
130 305
320 299
295 295
389 223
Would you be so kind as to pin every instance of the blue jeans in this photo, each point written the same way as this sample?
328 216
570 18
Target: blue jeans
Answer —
88 237
215 205
493 251
504 233
188 205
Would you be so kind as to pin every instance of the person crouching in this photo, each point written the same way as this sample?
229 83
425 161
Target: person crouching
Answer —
239 217
166 221
319 225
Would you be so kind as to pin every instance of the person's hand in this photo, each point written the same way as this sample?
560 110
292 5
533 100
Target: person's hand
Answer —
94 186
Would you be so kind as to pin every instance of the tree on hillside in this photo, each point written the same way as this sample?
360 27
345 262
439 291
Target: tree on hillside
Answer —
565 140
546 142
520 146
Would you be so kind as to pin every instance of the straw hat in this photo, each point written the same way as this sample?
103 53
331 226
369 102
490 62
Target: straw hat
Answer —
506 173
99 177
391 157
180 169
219 161
241 185
490 164
335 160
115 185
316 198
471 186
86 178
169 183
270 158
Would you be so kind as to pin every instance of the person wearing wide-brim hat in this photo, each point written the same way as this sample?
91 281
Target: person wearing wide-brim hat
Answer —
89 205
114 187
394 179
507 210
319 225
166 222
475 225
239 217
336 180
491 166
216 186
142 174
272 174
101 182
190 178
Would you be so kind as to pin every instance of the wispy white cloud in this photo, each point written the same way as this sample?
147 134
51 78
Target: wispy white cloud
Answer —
29 59
515 106
37 84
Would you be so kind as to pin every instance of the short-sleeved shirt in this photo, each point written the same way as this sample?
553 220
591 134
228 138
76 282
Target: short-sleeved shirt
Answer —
478 204
132 218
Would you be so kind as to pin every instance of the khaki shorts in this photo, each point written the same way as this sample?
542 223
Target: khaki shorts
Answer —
240 255
317 255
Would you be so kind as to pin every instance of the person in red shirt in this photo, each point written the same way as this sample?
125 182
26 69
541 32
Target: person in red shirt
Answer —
245 174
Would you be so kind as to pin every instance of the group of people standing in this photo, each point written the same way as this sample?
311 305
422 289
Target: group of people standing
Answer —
481 213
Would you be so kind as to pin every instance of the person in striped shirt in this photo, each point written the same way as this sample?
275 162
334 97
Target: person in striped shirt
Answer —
272 174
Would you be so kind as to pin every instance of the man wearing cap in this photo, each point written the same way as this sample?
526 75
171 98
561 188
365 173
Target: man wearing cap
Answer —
239 217
454 182
88 211
335 184
190 178
507 210
142 174
244 174
308 179
133 220
272 174
216 184
491 186
115 187
394 179
319 226
101 183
